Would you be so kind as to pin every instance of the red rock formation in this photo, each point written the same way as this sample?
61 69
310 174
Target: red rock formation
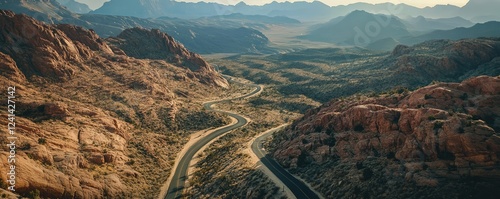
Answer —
446 124
154 44
8 67
78 104
443 58
86 37
39 49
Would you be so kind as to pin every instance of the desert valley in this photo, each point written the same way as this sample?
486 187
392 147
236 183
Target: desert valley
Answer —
174 99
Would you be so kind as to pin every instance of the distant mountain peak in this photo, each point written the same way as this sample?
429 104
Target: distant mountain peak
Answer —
241 3
75 6
358 14
359 28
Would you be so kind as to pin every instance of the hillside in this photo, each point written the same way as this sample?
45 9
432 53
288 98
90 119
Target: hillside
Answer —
159 8
488 29
198 36
359 28
440 141
49 10
422 24
154 44
324 74
75 6
315 11
486 8
386 44
89 118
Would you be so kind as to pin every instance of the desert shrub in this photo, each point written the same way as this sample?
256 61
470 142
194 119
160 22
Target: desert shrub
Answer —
42 140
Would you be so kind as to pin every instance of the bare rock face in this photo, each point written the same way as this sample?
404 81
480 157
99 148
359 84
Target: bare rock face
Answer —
86 37
78 106
154 44
96 159
39 49
442 130
8 67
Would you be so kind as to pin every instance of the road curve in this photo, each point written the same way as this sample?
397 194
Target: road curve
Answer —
176 185
298 188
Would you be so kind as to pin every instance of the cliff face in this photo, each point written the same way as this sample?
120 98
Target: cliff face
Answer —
39 49
154 44
90 121
432 135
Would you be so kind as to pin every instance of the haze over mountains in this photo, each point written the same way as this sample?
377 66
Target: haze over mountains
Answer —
75 6
109 100
348 31
196 35
206 27
304 11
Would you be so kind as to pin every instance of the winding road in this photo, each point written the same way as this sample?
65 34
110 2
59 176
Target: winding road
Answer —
298 188
176 186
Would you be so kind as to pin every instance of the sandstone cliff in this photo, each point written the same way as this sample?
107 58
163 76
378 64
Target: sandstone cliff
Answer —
436 137
154 44
92 123
39 49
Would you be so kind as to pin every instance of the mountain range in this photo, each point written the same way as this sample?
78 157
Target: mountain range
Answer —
75 6
384 32
488 29
359 28
109 100
81 98
422 24
199 36
303 11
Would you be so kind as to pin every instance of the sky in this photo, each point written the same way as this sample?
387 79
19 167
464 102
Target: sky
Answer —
94 4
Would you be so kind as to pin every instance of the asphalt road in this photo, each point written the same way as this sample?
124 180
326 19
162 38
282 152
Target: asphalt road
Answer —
298 188
176 186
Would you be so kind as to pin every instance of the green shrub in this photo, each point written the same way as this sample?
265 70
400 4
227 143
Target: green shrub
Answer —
42 141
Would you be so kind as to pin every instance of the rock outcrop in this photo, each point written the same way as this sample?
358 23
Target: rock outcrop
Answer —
78 106
154 44
86 37
442 59
39 49
8 67
436 134
75 6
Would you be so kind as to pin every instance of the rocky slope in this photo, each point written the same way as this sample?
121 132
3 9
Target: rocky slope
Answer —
154 44
75 6
487 29
354 29
324 74
44 10
197 35
438 141
92 122
443 60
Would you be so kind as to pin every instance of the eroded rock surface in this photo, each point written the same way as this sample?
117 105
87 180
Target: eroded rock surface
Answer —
426 138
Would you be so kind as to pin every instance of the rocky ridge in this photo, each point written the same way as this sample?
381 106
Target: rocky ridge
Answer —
154 44
439 136
198 36
89 119
75 6
443 59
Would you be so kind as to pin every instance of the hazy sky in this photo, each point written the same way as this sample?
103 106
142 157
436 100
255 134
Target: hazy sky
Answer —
94 4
